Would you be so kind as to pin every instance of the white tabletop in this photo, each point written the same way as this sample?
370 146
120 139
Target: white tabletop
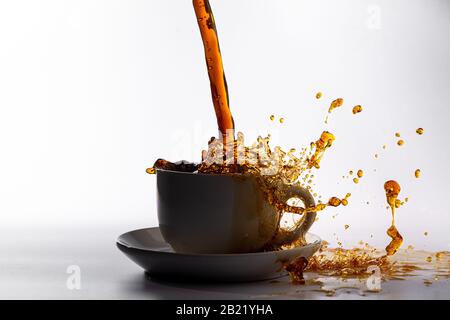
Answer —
34 264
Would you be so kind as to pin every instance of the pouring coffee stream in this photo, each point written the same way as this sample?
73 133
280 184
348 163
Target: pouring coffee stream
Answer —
218 82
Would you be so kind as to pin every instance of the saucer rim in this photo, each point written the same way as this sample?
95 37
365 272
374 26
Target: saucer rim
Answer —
120 242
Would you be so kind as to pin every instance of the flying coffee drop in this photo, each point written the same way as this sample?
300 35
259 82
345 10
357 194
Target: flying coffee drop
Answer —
357 109
336 104
360 173
417 173
334 201
318 95
400 142
419 131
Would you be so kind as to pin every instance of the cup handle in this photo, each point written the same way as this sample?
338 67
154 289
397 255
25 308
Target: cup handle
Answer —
305 222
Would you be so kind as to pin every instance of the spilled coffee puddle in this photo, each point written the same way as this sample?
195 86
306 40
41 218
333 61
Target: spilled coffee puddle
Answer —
362 271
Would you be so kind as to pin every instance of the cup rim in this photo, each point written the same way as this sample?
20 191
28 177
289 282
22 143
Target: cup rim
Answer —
202 174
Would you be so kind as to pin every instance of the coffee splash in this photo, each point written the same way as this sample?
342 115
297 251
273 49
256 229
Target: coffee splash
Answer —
325 141
356 261
392 189
274 167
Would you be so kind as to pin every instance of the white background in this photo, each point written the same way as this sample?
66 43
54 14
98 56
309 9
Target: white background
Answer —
93 92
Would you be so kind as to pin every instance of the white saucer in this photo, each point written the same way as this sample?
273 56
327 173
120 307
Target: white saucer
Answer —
147 248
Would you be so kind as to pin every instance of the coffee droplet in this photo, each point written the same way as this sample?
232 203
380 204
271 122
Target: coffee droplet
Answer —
419 131
357 109
429 259
350 172
425 233
360 173
376 155
281 120
417 173
400 142
355 180
397 134
346 226
336 104
334 201
150 170
318 95
272 117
